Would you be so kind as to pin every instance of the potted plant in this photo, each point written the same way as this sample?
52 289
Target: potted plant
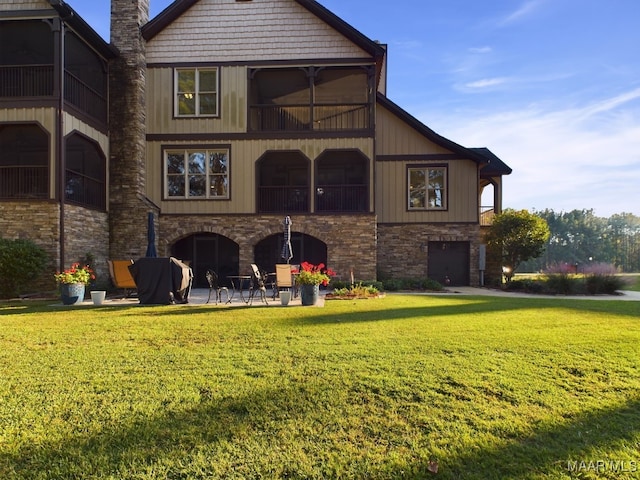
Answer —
309 277
73 281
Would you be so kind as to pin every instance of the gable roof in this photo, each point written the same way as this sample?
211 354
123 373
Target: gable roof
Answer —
496 166
77 23
422 129
178 7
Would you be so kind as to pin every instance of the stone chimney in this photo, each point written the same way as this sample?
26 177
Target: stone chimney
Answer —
127 131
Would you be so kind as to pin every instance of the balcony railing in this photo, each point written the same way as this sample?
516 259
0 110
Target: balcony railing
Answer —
24 182
26 81
342 198
283 199
486 216
299 117
84 190
37 81
83 97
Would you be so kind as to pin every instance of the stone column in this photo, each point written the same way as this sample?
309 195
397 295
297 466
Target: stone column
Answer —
127 117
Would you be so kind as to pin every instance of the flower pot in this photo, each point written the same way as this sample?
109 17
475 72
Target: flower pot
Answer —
285 298
72 293
309 294
98 296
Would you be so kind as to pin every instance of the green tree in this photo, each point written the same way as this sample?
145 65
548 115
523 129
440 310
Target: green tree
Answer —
516 236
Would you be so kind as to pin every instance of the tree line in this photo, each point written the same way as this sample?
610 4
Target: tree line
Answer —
580 238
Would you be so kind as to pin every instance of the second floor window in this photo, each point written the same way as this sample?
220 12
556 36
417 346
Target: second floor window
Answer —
197 173
427 188
196 92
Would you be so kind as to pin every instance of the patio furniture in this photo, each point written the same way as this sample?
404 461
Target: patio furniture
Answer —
121 276
214 285
239 283
284 279
259 280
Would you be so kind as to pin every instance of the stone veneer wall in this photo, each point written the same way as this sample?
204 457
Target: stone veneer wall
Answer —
351 240
403 249
87 233
38 222
128 206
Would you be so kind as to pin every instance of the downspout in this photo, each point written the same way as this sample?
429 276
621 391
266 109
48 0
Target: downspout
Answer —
60 151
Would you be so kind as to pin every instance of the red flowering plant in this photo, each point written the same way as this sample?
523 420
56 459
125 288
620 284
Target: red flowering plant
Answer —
76 274
310 274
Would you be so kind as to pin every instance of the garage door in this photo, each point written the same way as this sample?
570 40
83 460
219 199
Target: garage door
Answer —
449 260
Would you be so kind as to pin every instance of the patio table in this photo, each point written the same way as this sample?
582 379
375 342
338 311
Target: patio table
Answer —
238 283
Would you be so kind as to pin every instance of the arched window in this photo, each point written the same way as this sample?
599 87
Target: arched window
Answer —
24 162
86 172
283 182
342 182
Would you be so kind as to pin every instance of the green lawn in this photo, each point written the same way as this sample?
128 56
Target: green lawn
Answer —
489 388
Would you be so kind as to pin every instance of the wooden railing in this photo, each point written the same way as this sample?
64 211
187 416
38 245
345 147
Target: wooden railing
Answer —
26 81
342 198
24 182
83 97
84 190
486 216
282 199
299 117
37 81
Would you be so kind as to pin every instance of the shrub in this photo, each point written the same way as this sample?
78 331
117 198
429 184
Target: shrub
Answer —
601 278
393 285
526 285
21 261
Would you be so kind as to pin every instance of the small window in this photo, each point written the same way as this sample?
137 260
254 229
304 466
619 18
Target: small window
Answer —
427 188
196 92
197 173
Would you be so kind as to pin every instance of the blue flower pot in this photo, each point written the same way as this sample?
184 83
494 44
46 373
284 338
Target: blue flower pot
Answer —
72 293
309 294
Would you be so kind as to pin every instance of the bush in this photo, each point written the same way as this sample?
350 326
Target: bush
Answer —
21 261
393 285
342 284
526 285
559 283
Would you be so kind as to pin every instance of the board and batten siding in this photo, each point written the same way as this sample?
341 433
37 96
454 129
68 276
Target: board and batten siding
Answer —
232 109
231 31
392 201
395 138
47 119
242 169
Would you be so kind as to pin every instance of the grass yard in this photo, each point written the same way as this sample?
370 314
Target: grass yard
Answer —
481 388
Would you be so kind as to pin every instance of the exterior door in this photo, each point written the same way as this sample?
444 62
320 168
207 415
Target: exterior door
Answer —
448 263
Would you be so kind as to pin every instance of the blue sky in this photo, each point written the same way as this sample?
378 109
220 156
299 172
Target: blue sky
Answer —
550 86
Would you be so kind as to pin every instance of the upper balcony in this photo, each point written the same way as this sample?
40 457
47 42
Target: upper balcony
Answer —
321 99
36 81
28 69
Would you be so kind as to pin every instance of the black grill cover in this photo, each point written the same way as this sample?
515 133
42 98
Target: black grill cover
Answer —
161 280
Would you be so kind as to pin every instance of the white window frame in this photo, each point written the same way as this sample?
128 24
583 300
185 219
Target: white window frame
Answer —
430 191
195 93
189 174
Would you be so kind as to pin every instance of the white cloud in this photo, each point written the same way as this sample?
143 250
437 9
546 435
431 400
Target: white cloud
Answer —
481 50
524 10
565 158
486 82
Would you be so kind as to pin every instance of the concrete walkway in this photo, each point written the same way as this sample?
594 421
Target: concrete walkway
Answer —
626 295
198 297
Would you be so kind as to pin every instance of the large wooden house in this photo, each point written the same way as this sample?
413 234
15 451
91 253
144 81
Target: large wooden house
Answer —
220 118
